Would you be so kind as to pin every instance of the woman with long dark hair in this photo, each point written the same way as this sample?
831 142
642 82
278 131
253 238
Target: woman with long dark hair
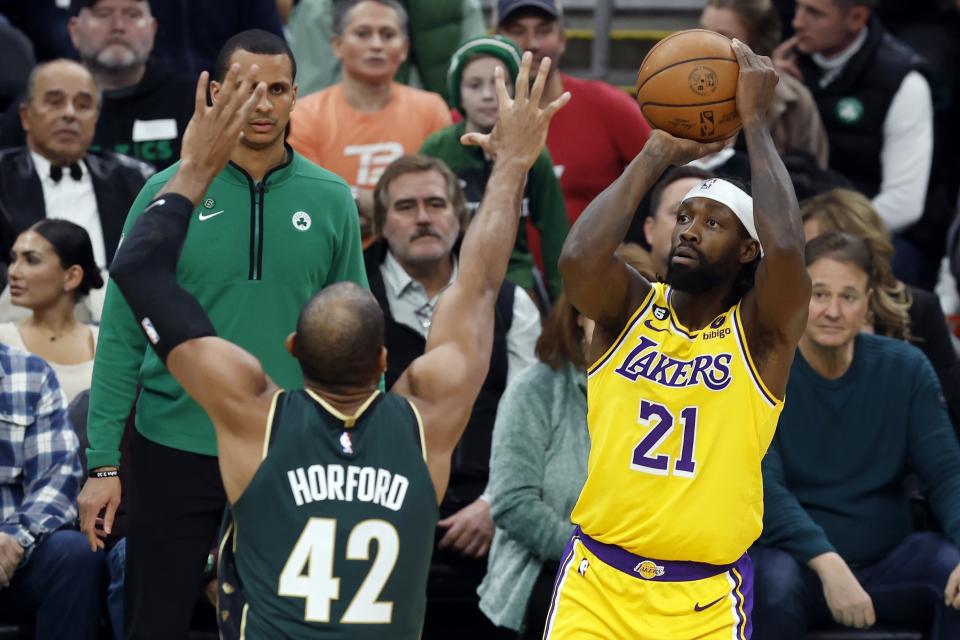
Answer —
52 268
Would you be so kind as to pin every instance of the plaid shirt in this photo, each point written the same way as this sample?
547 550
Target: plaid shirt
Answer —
39 463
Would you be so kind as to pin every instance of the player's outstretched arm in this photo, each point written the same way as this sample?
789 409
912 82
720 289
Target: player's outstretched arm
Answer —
225 380
445 380
775 311
596 280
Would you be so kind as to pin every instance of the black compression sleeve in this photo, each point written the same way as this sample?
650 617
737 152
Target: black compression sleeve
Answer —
145 271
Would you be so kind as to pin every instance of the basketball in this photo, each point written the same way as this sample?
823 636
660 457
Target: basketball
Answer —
687 86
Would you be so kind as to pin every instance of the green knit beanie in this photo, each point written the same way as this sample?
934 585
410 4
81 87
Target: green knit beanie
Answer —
496 46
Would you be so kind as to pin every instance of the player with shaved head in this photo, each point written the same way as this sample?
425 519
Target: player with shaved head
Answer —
337 472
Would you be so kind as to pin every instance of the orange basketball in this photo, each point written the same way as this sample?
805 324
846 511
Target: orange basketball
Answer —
687 86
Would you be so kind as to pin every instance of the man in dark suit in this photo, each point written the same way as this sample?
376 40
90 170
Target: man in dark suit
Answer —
55 175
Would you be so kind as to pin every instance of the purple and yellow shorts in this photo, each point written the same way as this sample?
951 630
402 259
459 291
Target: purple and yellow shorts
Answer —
603 592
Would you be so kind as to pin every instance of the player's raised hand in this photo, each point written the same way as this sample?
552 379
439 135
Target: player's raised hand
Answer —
756 84
214 131
680 151
521 128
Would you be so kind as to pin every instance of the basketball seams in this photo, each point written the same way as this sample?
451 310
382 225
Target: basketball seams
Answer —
686 106
677 64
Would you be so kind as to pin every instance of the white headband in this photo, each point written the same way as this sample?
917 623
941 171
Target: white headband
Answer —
730 195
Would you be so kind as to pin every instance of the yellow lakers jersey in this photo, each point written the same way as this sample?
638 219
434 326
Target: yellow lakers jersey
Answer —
679 421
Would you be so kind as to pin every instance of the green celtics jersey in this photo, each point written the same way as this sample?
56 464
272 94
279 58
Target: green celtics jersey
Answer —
333 537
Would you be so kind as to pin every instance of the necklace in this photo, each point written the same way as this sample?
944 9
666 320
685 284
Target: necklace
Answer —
55 336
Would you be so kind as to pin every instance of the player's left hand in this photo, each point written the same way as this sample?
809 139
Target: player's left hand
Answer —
469 530
521 129
214 131
756 84
952 592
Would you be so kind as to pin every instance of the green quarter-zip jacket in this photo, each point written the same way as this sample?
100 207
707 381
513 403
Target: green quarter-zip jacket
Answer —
254 254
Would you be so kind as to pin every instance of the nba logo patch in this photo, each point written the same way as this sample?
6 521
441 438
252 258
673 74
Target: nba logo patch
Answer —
716 324
346 443
584 565
660 313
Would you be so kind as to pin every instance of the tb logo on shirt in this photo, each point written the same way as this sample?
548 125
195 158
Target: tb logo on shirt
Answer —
374 158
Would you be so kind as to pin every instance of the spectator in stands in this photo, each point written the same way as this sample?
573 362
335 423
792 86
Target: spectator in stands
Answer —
473 93
46 570
600 131
793 117
538 464
51 269
18 62
877 108
863 412
366 121
896 310
191 34
665 199
56 175
144 105
420 212
436 29
44 22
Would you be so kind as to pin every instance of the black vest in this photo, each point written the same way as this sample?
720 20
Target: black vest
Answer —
854 106
470 467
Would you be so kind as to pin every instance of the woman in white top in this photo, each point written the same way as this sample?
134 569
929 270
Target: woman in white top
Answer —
51 269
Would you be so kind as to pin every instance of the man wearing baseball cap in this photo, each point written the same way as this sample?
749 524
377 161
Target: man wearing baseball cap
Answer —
600 131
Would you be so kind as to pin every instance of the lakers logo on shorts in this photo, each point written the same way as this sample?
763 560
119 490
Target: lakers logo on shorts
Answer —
649 570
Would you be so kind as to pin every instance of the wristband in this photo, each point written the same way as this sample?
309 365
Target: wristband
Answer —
113 473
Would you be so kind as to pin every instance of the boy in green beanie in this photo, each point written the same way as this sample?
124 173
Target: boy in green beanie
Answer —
471 79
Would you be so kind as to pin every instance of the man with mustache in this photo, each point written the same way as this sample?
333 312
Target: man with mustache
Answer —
686 386
420 212
271 230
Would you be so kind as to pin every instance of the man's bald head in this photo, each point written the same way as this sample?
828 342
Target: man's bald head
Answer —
340 335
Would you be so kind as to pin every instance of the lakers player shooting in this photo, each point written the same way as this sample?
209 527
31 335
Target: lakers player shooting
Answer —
685 390
333 488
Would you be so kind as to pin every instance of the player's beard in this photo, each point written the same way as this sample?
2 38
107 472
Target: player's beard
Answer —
706 276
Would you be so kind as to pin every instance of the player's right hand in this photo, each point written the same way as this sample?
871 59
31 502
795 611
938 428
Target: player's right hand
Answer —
680 151
849 604
98 494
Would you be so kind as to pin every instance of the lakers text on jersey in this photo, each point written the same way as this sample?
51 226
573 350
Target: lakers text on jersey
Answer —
679 421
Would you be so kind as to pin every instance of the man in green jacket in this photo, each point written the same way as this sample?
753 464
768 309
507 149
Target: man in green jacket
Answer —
272 230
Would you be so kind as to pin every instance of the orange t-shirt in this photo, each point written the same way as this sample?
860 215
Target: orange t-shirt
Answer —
358 146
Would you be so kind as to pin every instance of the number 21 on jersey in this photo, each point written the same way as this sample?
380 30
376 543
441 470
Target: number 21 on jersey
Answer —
659 424
308 572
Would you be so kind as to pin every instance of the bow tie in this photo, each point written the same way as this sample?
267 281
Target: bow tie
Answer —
56 173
